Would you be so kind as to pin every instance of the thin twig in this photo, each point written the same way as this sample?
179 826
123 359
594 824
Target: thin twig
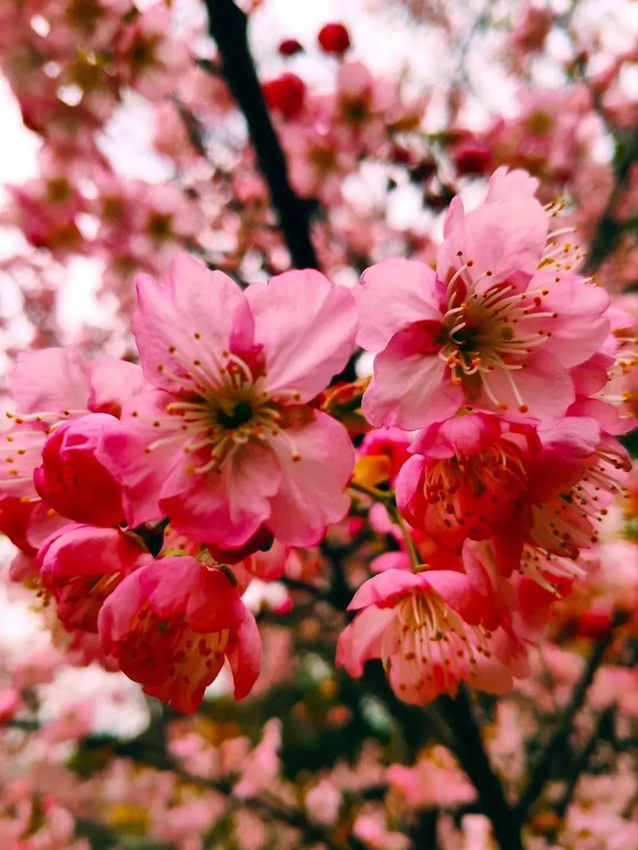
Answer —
228 26
559 741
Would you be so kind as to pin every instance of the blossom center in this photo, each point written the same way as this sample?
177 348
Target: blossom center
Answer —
491 329
220 407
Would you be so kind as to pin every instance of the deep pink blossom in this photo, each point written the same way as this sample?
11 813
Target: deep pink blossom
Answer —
498 326
171 624
227 443
51 387
72 480
468 477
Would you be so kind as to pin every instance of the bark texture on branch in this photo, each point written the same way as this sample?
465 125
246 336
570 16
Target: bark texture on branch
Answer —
470 752
228 26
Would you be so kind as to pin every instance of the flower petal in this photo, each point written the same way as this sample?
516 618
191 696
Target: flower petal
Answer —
311 495
394 294
307 326
411 386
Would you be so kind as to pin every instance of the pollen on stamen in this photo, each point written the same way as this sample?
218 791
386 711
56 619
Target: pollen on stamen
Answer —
296 457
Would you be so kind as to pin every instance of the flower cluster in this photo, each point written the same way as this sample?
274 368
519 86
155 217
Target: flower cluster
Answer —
498 360
143 498
124 487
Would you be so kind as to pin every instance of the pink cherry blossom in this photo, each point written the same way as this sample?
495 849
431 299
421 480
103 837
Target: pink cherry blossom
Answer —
51 388
81 565
429 629
171 624
228 443
468 477
497 326
72 480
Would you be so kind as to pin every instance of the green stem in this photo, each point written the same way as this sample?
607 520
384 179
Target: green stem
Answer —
388 501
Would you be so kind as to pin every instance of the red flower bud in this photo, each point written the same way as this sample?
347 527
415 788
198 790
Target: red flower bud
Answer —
334 38
289 47
286 94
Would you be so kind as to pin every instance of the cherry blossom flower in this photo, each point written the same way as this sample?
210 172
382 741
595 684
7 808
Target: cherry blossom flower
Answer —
72 480
497 327
227 444
171 624
51 388
468 477
432 630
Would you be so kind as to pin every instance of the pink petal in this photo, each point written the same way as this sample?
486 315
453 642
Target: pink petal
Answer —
361 640
112 383
543 385
244 656
51 379
457 591
141 473
311 495
306 326
411 386
394 294
581 326
383 589
183 328
506 238
466 435
505 185
228 507
114 619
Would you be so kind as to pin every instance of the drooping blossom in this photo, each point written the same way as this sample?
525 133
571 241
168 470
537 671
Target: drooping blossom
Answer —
171 624
227 444
432 630
497 327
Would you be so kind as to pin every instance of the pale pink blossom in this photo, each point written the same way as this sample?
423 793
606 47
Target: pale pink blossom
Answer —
432 630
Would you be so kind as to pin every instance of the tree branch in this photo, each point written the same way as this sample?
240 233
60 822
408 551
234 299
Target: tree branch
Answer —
605 721
228 26
474 760
558 744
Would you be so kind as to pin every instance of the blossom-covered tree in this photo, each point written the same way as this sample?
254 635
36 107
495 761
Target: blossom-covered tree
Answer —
324 514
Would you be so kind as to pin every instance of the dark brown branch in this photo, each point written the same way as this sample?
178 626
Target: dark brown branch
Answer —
471 754
558 744
228 26
605 722
609 230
